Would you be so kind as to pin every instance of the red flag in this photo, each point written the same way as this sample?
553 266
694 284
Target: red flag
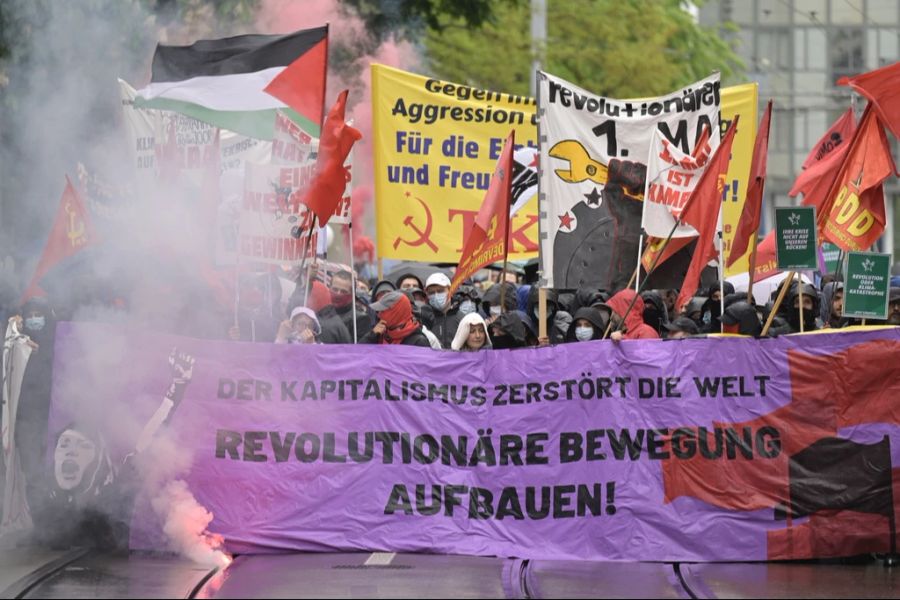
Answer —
824 160
749 222
702 213
766 263
72 232
852 216
327 188
301 85
487 240
880 87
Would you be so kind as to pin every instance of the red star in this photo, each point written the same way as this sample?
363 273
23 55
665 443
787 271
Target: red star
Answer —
534 161
565 220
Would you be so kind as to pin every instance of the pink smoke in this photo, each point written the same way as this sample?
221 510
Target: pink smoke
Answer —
185 523
276 16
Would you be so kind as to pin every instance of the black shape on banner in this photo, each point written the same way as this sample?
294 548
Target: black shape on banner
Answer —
601 250
837 474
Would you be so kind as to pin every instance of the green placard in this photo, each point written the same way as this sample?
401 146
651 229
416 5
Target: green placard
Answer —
831 253
867 285
795 237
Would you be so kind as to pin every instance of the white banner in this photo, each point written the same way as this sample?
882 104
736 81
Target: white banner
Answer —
593 158
672 176
275 226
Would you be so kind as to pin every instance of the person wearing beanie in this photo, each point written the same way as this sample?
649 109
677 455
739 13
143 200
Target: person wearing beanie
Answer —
396 324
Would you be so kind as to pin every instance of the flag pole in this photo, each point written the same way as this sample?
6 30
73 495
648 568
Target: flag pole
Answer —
785 284
800 307
542 312
721 274
352 272
753 243
637 271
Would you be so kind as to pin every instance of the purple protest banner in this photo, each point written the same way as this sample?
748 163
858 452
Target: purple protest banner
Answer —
692 450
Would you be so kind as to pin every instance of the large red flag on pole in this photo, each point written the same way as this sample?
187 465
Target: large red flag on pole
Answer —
72 232
702 213
824 160
487 240
880 87
748 225
852 216
337 139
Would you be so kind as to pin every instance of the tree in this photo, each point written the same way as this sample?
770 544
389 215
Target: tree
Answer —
619 48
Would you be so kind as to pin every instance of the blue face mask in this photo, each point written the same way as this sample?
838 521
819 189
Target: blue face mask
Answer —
583 334
438 301
35 323
466 307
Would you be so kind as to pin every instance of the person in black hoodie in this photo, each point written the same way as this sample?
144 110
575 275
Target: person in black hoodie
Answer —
38 322
555 332
490 303
712 308
342 299
655 313
508 331
588 324
790 308
741 317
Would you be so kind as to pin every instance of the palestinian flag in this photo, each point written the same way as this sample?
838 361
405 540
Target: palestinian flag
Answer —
238 83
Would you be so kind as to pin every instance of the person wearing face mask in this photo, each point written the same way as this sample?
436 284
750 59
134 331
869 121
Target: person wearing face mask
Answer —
472 335
790 308
467 297
556 332
38 323
588 324
396 324
712 308
490 303
341 290
446 314
423 313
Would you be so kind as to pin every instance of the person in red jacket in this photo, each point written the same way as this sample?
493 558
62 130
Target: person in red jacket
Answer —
634 327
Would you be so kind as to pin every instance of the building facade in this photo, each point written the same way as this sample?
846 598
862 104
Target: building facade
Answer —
797 50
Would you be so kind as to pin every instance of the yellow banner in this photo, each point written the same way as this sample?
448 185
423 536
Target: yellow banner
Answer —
436 144
740 100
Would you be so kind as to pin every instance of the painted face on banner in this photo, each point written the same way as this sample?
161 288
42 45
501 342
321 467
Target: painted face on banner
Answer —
74 454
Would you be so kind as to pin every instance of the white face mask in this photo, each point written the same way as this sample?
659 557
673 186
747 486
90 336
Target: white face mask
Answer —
583 334
495 311
438 301
466 307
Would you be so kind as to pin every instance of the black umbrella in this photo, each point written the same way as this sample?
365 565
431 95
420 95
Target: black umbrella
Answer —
419 269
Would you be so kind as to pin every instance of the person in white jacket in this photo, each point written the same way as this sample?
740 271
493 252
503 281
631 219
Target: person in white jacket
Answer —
471 335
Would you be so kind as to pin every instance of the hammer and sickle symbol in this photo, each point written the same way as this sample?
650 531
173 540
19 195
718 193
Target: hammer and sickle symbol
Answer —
424 235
